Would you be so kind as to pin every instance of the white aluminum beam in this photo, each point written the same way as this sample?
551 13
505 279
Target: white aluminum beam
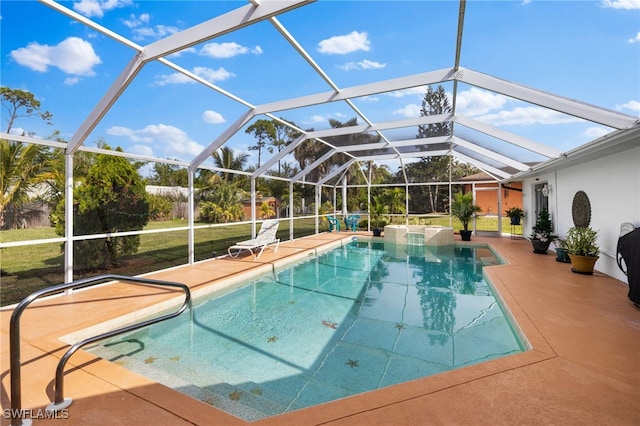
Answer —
396 124
220 140
395 144
417 154
220 25
279 156
358 91
313 165
91 121
557 103
491 154
479 164
512 138
337 171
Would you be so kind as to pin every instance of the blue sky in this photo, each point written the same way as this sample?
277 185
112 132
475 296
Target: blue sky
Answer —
584 50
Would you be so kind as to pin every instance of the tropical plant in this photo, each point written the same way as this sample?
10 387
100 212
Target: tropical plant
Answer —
515 214
463 208
266 211
582 241
22 166
225 158
377 210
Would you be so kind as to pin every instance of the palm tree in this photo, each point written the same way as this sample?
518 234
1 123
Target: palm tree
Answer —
23 168
225 158
266 211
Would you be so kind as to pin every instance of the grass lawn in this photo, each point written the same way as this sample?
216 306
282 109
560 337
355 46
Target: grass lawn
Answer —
26 269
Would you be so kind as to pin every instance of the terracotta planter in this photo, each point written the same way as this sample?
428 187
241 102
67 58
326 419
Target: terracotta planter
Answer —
540 247
583 264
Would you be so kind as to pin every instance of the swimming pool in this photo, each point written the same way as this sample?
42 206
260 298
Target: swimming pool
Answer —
358 318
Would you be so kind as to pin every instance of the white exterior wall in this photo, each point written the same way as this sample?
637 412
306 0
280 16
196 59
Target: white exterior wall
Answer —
612 184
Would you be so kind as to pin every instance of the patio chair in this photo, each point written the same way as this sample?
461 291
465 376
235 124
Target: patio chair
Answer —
352 222
266 238
334 223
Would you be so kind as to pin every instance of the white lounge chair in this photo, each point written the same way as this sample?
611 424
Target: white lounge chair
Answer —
266 238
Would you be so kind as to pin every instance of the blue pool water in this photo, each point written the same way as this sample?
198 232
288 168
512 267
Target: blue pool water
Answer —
358 318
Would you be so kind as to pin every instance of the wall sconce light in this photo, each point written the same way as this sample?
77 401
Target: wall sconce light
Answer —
546 189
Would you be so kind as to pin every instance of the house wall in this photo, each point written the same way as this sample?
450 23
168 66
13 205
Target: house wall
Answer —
488 200
246 207
612 184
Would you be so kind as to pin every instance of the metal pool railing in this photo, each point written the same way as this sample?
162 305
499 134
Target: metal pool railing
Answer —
60 402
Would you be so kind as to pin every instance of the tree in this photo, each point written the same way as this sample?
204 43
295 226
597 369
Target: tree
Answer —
23 166
21 104
111 199
223 192
168 175
225 158
283 136
264 131
433 169
266 211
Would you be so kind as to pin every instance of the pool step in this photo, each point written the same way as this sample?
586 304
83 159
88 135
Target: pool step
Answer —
250 402
255 399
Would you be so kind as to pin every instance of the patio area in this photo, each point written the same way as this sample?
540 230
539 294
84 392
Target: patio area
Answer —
583 367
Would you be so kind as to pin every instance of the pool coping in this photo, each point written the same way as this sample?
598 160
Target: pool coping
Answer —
540 294
538 349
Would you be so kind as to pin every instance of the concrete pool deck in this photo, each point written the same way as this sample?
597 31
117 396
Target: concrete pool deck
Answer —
583 367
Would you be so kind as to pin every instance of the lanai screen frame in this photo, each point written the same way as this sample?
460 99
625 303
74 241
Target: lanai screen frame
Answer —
257 11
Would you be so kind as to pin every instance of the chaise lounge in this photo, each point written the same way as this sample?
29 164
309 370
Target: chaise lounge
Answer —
266 238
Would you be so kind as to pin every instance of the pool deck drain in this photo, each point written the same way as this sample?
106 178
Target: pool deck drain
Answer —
582 368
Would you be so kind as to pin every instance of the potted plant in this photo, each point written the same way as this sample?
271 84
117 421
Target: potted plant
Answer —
515 214
581 244
542 233
377 210
561 251
464 209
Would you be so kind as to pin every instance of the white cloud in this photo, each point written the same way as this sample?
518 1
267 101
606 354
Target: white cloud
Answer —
157 32
343 44
134 22
227 50
631 105
97 8
635 39
70 81
526 116
596 132
362 65
324 119
213 117
411 111
475 102
141 29
171 141
622 4
142 150
73 56
208 74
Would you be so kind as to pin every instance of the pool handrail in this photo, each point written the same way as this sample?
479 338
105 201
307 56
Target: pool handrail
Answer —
14 337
